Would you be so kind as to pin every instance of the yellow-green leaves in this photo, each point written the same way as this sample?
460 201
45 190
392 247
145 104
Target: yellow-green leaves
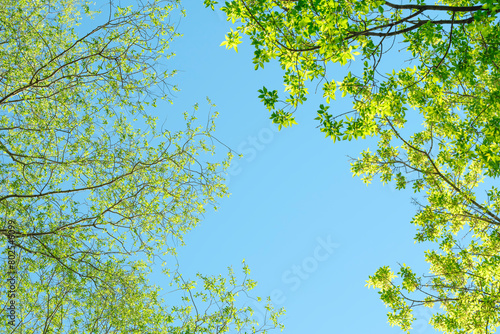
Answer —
381 279
97 187
282 118
233 38
433 108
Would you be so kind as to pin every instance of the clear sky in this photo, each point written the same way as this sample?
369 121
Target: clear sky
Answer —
310 232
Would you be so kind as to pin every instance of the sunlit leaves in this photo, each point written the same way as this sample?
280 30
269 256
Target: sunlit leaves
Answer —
233 38
283 119
97 187
433 109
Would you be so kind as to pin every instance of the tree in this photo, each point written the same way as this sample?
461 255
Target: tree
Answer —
449 78
93 189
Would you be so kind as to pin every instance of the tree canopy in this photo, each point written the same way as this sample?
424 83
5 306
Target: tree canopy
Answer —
447 76
94 188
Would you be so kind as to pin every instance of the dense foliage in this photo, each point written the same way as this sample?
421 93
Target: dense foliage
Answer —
449 80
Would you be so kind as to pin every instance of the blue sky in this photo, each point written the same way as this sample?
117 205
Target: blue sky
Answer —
310 232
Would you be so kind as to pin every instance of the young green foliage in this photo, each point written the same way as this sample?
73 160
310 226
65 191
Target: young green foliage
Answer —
92 189
450 79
